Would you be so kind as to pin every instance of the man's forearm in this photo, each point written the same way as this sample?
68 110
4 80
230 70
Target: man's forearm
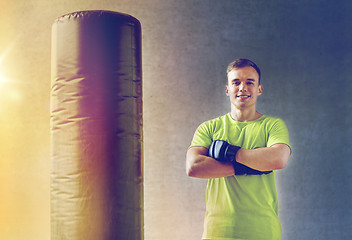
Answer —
265 159
201 166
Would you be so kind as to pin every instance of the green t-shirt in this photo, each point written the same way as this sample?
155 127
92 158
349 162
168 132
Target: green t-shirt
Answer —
244 206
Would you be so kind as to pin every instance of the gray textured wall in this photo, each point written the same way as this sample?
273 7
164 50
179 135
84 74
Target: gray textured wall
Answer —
304 51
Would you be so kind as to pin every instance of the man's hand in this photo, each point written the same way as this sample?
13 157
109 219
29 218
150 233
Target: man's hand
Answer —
222 151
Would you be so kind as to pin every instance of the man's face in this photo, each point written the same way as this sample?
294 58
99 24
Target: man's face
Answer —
243 87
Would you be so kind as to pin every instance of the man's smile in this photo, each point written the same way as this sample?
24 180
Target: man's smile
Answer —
243 96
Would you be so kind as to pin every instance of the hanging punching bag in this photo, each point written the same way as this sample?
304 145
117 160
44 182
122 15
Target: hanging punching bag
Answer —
96 127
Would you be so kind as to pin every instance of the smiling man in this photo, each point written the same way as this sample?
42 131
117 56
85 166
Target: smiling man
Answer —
239 154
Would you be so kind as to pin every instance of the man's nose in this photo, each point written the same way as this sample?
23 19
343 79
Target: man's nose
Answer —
242 87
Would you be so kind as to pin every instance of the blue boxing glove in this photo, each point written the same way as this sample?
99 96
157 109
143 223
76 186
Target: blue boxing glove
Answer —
222 151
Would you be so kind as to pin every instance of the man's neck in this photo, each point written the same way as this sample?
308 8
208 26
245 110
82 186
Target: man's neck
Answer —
245 115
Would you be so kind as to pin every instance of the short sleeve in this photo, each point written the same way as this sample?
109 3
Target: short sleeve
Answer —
278 134
202 136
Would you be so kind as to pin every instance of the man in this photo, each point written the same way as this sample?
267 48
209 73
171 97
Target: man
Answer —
239 153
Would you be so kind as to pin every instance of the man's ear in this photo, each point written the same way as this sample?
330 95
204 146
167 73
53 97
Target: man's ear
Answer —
226 90
260 90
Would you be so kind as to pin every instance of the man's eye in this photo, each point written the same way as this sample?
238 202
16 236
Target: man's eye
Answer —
236 83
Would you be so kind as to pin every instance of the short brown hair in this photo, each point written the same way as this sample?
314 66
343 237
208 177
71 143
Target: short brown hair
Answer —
241 63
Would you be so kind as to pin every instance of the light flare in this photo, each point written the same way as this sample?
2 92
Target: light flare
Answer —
7 91
7 50
2 80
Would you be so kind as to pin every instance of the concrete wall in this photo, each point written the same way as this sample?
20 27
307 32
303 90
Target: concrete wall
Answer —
304 51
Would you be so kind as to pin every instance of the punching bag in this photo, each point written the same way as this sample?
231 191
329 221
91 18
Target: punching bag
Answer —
96 127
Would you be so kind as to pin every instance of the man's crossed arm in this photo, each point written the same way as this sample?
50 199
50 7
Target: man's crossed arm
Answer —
200 165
